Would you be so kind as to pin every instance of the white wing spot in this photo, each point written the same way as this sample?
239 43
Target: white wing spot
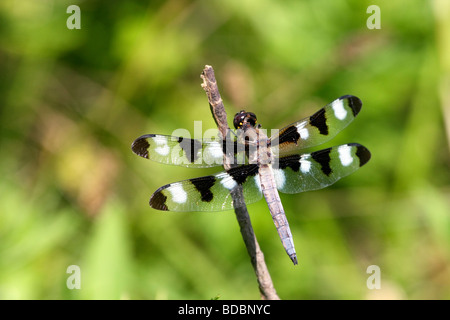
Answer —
228 181
345 155
258 182
162 147
304 133
215 149
305 165
178 193
339 110
280 178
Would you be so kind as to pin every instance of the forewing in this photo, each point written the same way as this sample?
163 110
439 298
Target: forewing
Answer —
318 128
179 151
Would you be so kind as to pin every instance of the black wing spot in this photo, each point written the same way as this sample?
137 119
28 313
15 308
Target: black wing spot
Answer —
140 146
240 174
354 103
292 162
190 148
204 185
319 121
289 135
323 158
158 201
362 153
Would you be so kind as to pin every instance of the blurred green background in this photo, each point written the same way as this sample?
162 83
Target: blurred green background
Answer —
73 193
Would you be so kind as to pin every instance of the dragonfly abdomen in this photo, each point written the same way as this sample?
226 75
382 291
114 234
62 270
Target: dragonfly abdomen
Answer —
270 192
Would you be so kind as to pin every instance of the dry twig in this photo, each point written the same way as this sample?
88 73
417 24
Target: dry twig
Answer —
266 287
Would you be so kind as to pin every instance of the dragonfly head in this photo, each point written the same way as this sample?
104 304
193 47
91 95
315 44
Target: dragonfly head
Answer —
244 119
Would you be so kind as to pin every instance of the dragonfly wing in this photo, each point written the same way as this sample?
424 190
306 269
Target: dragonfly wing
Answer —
317 170
209 193
318 128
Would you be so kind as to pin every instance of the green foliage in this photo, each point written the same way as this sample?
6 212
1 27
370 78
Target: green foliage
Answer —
72 101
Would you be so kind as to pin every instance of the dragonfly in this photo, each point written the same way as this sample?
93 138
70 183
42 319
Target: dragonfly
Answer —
266 167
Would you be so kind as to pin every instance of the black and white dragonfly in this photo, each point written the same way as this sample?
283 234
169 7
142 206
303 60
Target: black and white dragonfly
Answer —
271 164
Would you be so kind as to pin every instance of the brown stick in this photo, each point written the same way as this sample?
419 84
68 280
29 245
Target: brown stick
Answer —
266 287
